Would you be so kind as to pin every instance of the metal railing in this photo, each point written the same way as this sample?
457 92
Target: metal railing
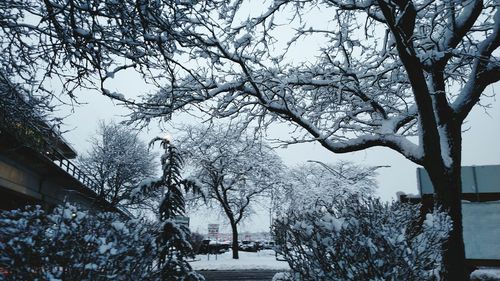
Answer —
70 168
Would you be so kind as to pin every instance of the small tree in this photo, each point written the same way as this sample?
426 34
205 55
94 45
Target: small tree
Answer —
233 170
173 239
118 161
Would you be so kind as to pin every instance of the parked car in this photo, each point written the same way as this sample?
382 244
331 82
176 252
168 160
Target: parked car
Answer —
226 245
213 247
269 245
259 245
249 246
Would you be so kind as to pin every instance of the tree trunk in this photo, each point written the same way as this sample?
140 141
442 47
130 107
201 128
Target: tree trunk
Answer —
448 193
234 245
448 196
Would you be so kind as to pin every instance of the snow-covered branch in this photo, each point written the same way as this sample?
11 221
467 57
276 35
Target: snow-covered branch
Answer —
373 74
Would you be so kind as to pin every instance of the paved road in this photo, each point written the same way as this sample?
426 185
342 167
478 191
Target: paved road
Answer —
240 275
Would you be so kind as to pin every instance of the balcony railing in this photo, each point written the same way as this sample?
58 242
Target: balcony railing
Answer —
70 168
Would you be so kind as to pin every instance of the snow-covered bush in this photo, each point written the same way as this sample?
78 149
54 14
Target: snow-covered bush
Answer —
70 244
360 238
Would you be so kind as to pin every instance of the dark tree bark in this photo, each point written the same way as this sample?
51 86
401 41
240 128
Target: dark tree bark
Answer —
448 195
234 245
448 190
223 199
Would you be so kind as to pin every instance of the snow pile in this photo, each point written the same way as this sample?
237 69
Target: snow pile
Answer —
485 274
68 244
360 238
265 260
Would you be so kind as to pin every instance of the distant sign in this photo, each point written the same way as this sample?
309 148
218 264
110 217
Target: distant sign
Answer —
182 220
213 230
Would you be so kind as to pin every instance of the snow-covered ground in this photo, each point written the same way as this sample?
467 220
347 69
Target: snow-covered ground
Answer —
261 260
266 260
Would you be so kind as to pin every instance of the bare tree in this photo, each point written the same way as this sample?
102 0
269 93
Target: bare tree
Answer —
384 72
118 161
234 170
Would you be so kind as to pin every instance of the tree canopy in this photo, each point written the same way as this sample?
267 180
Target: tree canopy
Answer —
118 161
382 69
306 184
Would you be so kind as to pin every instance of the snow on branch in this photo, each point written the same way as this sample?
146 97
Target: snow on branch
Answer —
339 70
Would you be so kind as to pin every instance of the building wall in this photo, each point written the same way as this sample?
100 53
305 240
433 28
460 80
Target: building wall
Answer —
21 182
481 222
